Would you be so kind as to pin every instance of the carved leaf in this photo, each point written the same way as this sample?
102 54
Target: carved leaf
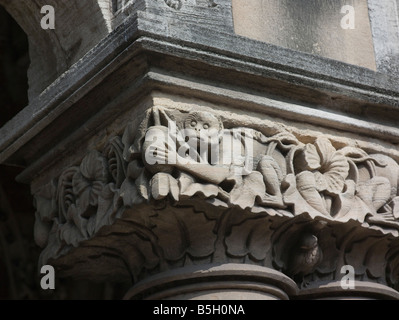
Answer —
244 194
129 150
94 167
106 207
71 234
41 231
183 232
320 180
143 186
357 209
306 185
79 183
312 157
322 157
129 193
328 246
308 159
134 169
284 139
91 226
116 164
252 238
190 188
345 201
375 192
45 202
87 192
335 182
80 222
355 154
395 207
334 166
375 258
292 197
140 254
65 193
163 184
369 254
54 244
325 150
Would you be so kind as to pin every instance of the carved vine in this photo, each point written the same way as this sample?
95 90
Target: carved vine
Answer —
239 170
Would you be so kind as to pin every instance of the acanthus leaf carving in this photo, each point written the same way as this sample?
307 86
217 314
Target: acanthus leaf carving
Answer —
267 172
181 232
251 237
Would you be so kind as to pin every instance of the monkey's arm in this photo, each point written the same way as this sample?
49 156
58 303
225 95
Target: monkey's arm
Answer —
207 172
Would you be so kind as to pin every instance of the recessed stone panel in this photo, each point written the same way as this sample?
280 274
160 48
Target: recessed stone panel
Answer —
311 26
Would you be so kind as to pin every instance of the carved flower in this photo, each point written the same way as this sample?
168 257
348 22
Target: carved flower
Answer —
329 166
90 180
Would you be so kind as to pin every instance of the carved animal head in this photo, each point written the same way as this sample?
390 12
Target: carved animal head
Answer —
200 125
309 241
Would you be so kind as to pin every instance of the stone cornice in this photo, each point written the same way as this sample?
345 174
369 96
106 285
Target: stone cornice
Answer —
349 87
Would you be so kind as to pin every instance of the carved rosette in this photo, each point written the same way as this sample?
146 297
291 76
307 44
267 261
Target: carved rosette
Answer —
143 205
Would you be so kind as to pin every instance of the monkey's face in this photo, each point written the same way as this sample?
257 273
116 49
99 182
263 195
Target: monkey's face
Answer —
201 127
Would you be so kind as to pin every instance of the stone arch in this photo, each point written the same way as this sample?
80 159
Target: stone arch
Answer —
14 63
79 26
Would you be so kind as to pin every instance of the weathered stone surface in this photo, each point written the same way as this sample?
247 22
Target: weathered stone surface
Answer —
304 208
80 25
252 283
384 20
310 26
298 176
327 93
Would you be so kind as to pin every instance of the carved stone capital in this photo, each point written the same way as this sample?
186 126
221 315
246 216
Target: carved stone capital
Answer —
190 187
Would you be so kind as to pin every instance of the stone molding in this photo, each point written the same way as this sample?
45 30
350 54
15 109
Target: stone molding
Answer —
345 91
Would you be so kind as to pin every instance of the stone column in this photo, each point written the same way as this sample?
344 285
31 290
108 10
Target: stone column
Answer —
216 282
193 163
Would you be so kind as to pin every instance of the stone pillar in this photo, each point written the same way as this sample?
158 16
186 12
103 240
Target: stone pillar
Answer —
216 282
193 163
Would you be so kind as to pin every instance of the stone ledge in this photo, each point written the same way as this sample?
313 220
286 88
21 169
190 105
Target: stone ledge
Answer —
222 51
